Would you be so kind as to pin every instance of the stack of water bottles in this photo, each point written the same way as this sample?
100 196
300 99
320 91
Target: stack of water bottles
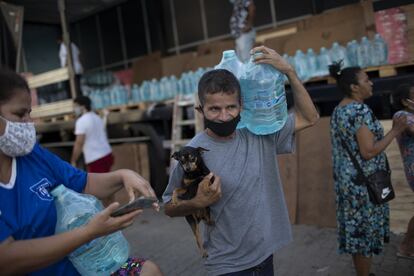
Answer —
308 65
364 54
263 94
149 91
103 255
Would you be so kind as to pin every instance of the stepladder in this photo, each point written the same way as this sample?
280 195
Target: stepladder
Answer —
186 122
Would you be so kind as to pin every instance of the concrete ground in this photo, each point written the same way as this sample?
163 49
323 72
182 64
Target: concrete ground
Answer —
169 242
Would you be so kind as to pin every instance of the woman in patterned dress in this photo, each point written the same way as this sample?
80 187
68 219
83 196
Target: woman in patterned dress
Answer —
403 99
362 226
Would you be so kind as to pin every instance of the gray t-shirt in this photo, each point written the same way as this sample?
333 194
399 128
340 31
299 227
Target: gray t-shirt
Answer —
251 218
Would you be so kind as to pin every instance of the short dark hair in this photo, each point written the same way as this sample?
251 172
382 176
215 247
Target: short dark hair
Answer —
83 101
217 81
402 93
9 82
345 77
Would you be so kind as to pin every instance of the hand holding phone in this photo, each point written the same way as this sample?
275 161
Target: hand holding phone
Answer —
139 203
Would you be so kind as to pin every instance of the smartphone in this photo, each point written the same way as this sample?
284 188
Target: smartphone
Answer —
139 203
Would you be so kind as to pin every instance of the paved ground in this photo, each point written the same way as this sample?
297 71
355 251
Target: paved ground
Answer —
170 243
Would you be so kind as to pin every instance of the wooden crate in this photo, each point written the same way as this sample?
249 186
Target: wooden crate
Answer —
147 68
133 156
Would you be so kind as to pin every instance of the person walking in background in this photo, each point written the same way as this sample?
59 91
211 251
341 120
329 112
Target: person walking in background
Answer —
241 27
362 226
403 101
91 138
76 62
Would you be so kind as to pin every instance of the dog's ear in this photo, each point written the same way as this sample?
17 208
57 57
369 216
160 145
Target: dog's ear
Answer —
201 150
175 155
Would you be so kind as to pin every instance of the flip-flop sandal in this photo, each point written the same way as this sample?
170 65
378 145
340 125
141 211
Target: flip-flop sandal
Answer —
409 257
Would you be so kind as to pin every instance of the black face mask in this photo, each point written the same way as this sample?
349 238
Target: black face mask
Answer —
222 129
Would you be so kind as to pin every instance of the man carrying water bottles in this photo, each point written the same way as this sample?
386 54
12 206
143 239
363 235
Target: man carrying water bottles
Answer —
245 198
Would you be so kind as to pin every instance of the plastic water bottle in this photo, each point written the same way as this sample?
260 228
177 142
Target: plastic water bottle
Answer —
380 51
338 53
324 60
103 255
230 62
264 99
154 90
352 52
173 86
312 63
135 92
364 53
164 88
145 91
301 65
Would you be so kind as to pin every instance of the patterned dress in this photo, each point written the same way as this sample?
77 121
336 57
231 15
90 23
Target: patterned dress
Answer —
362 226
406 145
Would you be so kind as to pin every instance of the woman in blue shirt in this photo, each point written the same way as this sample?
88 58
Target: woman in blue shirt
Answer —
28 172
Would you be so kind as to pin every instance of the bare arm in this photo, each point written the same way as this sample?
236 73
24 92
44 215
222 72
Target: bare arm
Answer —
207 194
24 256
305 111
368 147
182 208
103 185
77 148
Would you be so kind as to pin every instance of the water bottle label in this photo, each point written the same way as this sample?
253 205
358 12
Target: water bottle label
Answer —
263 104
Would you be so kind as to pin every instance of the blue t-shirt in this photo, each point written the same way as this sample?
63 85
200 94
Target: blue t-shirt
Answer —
27 209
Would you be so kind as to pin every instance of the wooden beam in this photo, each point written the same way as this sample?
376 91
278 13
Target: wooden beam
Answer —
52 109
68 44
278 33
49 77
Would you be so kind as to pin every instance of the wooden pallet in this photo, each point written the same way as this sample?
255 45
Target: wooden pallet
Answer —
60 118
388 70
53 76
126 107
321 80
55 109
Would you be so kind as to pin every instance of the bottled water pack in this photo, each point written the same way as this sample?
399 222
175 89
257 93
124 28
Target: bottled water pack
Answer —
103 255
263 94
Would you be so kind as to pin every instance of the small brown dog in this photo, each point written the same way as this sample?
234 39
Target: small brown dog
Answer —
194 171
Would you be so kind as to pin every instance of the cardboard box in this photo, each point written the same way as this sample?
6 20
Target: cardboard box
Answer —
176 65
315 192
215 47
147 68
204 61
324 36
133 156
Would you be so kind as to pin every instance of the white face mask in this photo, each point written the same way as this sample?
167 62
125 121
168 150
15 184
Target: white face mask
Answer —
77 110
18 138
